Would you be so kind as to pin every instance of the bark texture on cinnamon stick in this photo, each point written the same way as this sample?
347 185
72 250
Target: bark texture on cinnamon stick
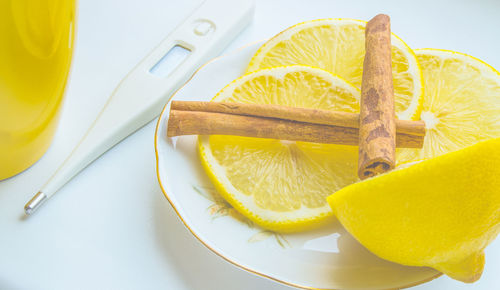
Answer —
208 123
377 128
278 122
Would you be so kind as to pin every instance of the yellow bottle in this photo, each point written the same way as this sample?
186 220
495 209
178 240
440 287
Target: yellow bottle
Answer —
36 44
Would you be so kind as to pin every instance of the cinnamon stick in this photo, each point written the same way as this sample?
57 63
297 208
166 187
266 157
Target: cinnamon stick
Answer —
377 128
207 123
278 122
315 116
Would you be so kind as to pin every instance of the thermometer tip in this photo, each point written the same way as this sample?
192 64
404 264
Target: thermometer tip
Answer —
34 203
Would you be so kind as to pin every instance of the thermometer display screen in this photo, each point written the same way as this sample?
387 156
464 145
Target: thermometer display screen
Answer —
170 61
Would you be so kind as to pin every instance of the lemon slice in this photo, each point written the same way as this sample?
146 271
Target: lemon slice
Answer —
282 185
338 46
461 103
440 213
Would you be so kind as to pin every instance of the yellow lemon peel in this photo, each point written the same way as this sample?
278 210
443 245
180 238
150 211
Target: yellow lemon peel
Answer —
440 213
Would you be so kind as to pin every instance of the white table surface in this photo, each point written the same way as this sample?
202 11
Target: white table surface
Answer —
111 227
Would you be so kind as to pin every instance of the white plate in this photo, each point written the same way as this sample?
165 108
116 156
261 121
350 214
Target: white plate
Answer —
328 258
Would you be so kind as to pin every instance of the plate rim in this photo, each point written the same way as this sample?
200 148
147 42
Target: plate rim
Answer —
165 193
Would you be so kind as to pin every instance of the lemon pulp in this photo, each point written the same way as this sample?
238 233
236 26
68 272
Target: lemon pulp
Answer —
338 45
461 104
282 185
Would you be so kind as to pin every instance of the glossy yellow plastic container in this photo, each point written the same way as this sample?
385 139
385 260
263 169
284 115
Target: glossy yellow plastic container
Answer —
36 45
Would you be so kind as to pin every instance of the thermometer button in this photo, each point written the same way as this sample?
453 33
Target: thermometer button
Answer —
203 27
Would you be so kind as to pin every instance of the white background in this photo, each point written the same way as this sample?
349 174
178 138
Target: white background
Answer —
111 227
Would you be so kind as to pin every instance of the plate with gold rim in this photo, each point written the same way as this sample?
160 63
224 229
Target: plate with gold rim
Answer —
325 258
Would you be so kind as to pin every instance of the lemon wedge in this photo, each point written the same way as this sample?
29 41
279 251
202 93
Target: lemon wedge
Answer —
461 104
338 46
440 213
282 185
